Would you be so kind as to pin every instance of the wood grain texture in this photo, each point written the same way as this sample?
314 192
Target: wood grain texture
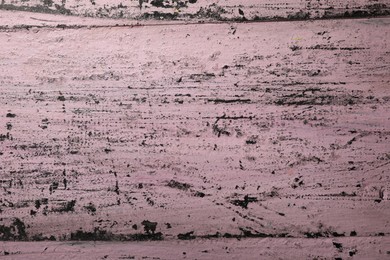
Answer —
213 130
249 249
236 10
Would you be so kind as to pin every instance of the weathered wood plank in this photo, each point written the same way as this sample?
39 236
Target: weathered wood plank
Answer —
248 249
222 129
205 9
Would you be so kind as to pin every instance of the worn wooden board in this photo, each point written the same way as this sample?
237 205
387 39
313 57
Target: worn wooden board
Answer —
236 10
248 249
214 131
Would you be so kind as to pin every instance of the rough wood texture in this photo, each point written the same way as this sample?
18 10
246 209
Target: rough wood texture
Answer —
248 249
205 9
173 131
